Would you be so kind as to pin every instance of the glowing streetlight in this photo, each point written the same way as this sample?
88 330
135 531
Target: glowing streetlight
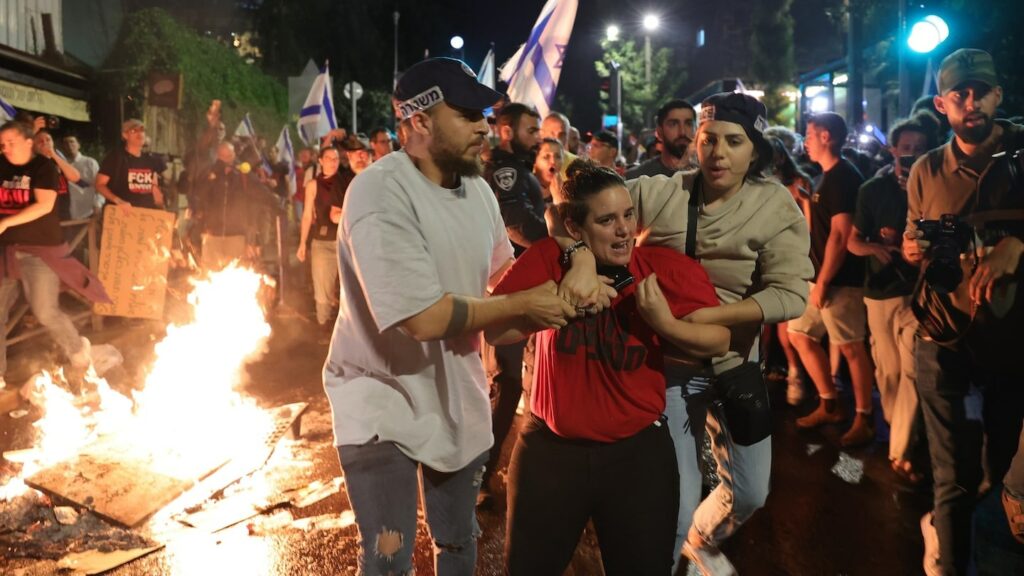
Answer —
651 23
926 34
457 42
611 33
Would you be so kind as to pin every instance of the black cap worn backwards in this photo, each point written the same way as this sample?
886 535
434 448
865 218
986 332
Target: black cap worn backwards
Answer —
437 80
741 109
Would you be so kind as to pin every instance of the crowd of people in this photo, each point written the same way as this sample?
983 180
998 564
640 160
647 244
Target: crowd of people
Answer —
643 308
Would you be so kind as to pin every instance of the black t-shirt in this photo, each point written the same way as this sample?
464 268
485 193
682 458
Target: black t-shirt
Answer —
16 194
881 217
63 198
836 194
651 167
132 178
330 192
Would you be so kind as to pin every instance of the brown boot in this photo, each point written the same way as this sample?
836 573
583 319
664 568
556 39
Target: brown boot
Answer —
818 417
1014 508
860 433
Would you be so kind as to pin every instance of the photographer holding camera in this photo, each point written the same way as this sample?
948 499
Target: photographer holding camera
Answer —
962 195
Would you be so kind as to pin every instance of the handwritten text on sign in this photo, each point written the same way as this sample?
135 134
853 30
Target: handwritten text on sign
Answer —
134 257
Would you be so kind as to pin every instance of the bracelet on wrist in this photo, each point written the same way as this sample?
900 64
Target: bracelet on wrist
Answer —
566 258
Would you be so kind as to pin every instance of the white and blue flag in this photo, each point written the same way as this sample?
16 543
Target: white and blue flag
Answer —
7 112
317 116
247 130
286 154
486 74
532 72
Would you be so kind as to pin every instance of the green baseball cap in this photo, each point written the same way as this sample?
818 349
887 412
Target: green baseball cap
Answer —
966 65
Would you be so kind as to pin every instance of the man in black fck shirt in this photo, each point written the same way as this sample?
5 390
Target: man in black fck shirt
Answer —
127 177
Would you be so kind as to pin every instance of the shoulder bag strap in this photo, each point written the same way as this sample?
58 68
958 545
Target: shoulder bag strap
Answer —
691 219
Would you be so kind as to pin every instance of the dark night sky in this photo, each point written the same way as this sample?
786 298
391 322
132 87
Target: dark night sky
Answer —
480 23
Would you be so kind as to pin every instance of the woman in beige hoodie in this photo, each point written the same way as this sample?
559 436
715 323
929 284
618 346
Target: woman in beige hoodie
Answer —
752 239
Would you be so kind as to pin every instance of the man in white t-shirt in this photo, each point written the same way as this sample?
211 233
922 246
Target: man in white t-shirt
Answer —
420 243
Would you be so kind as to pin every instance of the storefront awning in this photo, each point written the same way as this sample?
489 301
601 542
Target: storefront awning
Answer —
39 100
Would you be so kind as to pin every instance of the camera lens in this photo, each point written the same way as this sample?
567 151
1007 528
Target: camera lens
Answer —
944 275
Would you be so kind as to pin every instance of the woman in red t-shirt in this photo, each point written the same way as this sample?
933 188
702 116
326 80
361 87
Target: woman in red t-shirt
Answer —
595 446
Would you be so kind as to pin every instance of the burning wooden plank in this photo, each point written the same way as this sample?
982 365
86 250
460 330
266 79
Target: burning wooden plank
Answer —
125 491
113 480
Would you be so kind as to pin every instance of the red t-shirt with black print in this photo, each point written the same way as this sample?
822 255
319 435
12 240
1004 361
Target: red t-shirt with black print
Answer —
601 377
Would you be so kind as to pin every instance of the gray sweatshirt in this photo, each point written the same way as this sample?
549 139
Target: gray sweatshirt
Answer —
755 245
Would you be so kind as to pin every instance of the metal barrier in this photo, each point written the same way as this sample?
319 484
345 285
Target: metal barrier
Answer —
87 230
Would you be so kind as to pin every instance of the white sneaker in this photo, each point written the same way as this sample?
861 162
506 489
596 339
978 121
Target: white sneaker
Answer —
709 560
794 389
931 546
82 358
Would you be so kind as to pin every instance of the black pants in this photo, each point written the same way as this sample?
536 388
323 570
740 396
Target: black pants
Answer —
629 488
505 375
955 443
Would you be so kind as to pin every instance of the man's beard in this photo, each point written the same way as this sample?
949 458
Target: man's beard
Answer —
449 158
528 155
674 149
978 133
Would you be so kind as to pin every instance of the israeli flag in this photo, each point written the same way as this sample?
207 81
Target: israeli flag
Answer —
532 72
486 74
247 130
317 116
286 154
7 112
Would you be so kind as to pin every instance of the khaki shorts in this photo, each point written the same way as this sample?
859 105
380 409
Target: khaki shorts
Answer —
844 318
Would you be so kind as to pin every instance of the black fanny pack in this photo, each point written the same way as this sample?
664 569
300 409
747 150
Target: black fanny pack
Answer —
743 397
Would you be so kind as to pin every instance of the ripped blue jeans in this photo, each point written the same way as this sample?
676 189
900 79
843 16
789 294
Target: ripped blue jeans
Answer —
744 470
383 487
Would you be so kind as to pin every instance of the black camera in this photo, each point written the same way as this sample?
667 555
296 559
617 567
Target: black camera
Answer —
950 236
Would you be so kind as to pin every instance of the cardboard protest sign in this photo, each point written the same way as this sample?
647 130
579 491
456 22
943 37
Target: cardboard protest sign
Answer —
134 257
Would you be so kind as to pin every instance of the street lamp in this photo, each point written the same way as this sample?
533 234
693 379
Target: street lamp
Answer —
927 34
457 43
924 36
651 23
611 33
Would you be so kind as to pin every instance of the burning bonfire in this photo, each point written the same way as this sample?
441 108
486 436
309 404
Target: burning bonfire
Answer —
124 458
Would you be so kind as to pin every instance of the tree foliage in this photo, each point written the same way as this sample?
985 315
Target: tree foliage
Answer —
151 40
772 62
771 43
639 100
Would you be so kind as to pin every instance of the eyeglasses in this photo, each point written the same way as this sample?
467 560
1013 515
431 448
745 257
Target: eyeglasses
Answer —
136 129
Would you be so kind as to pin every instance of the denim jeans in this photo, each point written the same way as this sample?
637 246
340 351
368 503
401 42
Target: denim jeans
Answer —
323 258
955 443
42 288
629 489
383 487
744 470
